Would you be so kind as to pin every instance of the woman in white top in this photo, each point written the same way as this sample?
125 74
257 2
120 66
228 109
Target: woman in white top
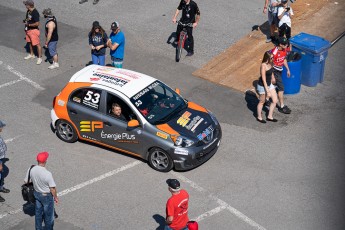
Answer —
285 14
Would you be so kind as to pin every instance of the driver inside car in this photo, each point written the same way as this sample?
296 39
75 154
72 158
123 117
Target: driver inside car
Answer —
155 101
117 112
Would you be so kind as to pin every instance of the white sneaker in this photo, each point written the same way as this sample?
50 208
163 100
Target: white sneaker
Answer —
29 57
54 66
39 61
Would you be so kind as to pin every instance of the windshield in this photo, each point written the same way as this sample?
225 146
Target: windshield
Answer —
158 103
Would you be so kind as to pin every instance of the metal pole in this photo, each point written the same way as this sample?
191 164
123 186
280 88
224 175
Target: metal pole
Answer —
337 39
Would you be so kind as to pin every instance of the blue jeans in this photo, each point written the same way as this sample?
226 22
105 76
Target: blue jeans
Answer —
168 228
44 210
98 60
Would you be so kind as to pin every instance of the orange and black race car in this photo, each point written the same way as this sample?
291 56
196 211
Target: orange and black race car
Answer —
136 114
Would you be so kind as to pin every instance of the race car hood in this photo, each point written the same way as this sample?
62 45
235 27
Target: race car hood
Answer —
194 122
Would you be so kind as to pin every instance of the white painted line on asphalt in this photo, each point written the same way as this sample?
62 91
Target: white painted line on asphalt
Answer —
108 174
209 213
22 77
10 213
10 83
86 183
12 139
223 204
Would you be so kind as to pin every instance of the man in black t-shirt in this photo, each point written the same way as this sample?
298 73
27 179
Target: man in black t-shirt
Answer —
32 22
190 14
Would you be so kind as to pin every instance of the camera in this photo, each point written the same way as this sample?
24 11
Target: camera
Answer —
287 8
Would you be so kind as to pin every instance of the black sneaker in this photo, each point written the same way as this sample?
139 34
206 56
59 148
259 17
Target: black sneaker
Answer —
285 110
5 190
2 199
82 1
190 54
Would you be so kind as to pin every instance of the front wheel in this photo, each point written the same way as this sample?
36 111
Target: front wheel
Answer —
65 131
179 47
160 160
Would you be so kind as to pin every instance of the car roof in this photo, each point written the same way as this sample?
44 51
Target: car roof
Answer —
126 81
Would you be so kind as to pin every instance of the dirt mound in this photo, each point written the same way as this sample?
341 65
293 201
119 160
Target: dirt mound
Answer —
238 66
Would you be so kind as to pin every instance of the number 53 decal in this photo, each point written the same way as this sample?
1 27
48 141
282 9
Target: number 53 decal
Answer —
93 97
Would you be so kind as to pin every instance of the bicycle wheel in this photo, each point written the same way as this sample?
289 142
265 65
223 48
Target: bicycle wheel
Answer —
179 47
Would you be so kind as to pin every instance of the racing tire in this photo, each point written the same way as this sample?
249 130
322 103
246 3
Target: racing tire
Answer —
66 131
160 160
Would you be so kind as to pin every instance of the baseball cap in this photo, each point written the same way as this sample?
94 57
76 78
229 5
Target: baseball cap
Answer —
95 24
42 157
2 124
47 12
29 2
283 41
114 25
173 183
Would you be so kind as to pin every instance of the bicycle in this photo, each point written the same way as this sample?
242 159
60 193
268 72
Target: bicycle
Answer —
182 39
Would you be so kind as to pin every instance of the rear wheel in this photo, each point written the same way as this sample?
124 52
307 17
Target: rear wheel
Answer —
160 160
65 131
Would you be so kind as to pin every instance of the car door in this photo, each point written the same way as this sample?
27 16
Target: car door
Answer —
115 131
84 109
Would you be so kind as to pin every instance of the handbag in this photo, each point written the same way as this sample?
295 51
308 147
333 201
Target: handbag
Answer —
192 225
28 190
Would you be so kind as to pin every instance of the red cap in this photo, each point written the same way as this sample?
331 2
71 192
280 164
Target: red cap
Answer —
42 157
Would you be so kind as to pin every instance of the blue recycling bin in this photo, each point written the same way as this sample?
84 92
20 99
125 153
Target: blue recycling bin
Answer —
314 51
292 84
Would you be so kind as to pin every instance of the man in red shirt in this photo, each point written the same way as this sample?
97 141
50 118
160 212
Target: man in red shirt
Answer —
279 60
176 207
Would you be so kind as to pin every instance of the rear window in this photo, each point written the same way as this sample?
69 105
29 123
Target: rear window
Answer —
88 97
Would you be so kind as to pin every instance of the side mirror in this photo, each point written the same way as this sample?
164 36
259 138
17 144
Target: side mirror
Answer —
133 123
177 90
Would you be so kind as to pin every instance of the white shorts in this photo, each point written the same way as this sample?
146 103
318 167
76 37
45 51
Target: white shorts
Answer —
261 89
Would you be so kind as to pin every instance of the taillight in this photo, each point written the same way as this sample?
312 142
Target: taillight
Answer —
54 101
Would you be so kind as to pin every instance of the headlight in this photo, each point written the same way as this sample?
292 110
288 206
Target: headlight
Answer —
213 117
182 141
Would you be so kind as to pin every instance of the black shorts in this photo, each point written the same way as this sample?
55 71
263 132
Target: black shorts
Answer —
279 80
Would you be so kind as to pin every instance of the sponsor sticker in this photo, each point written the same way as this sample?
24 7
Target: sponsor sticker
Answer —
128 74
114 80
195 122
181 151
90 126
94 79
205 133
61 102
184 119
76 99
119 137
162 135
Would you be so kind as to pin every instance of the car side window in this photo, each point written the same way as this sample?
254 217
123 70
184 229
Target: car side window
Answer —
113 105
88 97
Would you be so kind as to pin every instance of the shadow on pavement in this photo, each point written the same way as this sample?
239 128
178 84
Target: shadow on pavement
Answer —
160 220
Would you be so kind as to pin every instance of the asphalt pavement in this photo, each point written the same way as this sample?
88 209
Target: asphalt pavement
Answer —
287 175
